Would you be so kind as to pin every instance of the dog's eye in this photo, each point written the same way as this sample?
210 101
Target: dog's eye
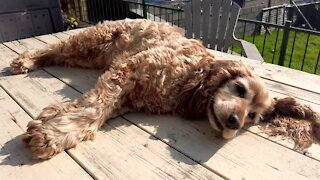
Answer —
252 115
241 90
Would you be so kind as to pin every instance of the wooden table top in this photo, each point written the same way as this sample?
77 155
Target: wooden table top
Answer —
140 146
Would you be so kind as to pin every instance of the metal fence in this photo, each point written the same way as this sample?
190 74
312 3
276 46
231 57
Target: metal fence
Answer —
285 45
94 11
278 43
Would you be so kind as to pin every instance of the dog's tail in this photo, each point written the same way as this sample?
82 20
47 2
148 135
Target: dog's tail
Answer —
289 118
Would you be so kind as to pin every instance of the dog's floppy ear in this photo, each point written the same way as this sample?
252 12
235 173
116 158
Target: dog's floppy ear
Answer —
290 107
193 98
192 102
194 95
284 115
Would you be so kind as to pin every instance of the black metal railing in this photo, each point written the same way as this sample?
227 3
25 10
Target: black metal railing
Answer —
285 45
94 11
278 41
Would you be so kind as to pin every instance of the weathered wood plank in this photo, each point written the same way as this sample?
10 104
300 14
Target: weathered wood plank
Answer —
75 31
246 156
15 159
61 36
127 152
86 82
249 137
49 39
298 93
35 84
18 47
32 42
111 154
5 55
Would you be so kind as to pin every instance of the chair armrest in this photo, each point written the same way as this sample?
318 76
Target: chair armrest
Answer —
251 51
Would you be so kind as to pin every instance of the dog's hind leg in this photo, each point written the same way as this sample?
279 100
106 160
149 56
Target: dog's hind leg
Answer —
53 132
89 49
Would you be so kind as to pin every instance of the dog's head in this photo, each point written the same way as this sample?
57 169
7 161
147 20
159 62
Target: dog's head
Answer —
227 92
240 99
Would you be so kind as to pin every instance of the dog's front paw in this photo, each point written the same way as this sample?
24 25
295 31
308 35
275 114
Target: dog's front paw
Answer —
54 131
22 65
43 143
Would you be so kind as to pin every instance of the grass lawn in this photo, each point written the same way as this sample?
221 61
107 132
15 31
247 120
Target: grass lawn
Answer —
272 49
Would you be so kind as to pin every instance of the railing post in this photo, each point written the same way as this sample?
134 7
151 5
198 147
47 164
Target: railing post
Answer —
144 9
284 43
80 10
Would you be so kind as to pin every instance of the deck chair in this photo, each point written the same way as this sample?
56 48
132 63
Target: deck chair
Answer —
214 21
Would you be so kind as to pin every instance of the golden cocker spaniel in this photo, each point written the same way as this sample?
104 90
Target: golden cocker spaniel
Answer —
151 67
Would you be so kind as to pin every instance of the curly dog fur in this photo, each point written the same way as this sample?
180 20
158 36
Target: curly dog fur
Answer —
149 67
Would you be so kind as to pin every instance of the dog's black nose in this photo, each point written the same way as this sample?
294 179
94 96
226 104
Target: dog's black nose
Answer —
233 122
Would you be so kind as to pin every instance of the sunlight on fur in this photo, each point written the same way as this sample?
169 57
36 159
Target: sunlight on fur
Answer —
151 67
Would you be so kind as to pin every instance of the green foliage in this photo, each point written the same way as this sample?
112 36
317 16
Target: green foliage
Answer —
273 45
71 22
